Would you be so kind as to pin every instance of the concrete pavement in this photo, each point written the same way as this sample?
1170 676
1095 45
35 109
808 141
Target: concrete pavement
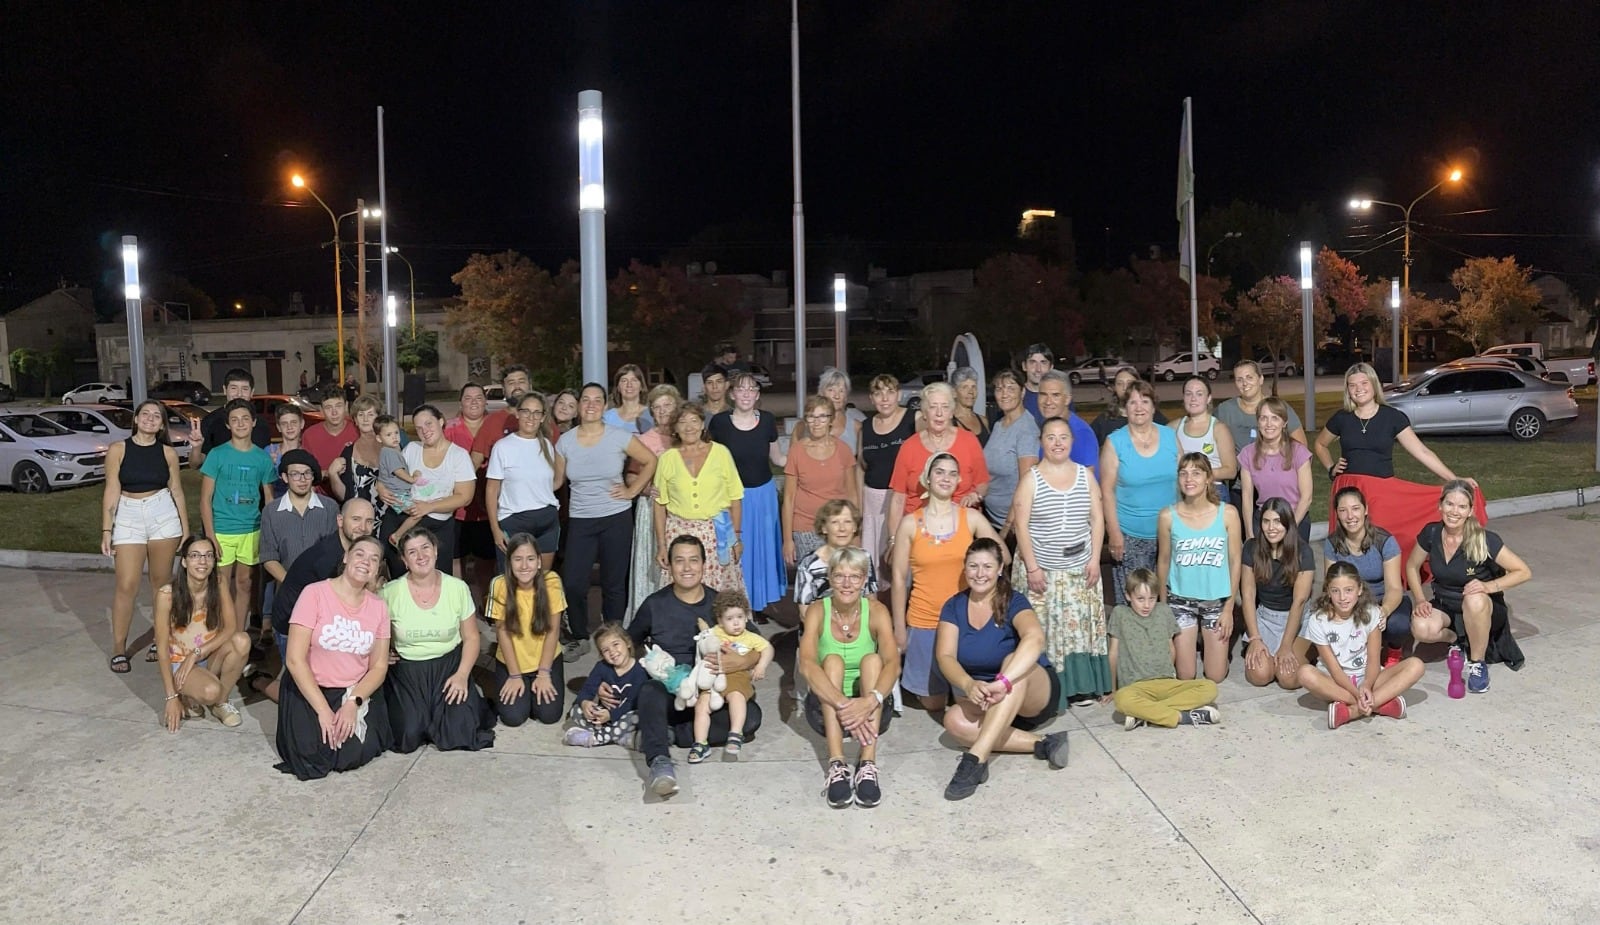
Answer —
1480 808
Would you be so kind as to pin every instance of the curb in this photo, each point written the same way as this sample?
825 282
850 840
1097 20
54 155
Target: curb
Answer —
1505 507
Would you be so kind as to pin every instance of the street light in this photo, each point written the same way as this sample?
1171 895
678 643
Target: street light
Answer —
841 304
338 287
1363 205
133 307
1394 304
412 272
592 235
1306 360
1213 247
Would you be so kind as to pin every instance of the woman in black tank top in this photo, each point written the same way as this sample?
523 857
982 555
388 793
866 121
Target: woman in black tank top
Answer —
143 517
881 436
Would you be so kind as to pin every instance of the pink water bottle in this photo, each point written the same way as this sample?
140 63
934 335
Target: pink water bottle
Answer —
1456 661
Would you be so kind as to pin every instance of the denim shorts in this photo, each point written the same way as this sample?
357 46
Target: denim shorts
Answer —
1190 612
142 520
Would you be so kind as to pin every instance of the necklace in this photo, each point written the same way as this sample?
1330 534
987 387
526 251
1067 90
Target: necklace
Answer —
935 537
1366 420
843 624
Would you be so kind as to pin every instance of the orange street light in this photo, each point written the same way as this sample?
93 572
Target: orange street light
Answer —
299 182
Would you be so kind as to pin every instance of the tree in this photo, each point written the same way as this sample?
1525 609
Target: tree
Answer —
328 355
1271 315
1340 284
1106 297
515 311
415 351
668 318
1159 298
1267 240
1018 299
1416 311
1495 294
191 302
39 365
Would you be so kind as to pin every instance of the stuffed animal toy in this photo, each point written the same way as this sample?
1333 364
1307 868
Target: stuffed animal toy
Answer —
702 678
664 668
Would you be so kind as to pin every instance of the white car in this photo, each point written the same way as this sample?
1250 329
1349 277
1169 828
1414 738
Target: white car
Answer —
37 454
1098 369
494 398
93 392
113 423
1182 364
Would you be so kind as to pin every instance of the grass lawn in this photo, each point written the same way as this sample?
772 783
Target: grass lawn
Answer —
69 521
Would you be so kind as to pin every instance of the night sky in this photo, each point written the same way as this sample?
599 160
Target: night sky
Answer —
928 126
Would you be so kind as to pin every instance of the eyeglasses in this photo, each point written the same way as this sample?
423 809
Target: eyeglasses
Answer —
847 578
531 412
201 556
298 474
819 418
746 388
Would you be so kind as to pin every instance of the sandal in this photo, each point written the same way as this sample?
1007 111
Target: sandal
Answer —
151 655
735 743
700 752
119 664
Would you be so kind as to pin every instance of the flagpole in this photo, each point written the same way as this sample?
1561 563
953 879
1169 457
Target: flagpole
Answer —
799 219
1194 270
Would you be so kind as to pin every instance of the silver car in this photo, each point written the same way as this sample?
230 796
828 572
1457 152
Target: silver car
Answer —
1099 369
114 423
37 454
1482 400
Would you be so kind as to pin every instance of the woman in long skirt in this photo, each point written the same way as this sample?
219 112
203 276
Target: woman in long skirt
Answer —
698 493
751 436
644 577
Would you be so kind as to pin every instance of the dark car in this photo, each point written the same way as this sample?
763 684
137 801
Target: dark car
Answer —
181 390
7 393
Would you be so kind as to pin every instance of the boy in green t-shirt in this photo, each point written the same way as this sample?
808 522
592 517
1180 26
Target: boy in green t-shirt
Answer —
1147 689
235 481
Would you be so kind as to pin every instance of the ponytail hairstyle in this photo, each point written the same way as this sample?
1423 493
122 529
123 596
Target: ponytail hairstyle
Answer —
1364 601
1266 565
183 600
1000 602
1474 539
511 616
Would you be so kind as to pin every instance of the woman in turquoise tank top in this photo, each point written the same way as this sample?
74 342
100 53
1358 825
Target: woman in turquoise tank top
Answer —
1197 564
849 659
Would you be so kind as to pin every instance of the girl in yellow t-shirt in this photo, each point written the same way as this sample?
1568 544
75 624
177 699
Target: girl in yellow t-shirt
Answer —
527 626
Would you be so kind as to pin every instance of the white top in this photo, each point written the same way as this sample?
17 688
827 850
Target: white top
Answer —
433 484
1347 639
527 479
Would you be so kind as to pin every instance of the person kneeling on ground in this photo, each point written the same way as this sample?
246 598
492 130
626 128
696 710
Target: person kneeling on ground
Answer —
606 708
849 659
732 612
527 625
195 620
1346 626
670 618
1142 659
990 649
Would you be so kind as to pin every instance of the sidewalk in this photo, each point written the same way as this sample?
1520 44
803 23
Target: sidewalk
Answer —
1477 808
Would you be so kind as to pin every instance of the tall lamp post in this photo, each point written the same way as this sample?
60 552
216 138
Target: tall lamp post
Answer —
841 305
338 286
1364 205
1227 237
592 235
1394 304
411 271
1309 418
134 310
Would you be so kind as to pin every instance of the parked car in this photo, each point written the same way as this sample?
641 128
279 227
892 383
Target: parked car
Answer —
1098 369
37 454
7 393
1280 366
1333 358
266 407
763 378
114 423
1182 364
495 396
181 390
1464 398
911 389
1579 370
1522 361
91 392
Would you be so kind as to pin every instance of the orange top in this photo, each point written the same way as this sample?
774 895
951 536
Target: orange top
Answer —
181 642
937 566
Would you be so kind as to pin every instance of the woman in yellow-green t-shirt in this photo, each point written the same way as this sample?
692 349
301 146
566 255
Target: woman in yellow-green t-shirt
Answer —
527 625
699 493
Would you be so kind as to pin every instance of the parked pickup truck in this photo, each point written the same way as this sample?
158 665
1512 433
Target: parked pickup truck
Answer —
1579 370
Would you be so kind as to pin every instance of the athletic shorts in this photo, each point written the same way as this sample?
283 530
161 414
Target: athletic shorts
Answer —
475 540
1191 612
921 675
141 520
243 548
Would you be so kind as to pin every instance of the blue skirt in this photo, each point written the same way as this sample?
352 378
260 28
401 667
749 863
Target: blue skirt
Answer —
765 575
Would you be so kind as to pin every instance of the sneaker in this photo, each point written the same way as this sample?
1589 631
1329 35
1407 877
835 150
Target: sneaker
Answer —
1394 709
735 743
1391 656
574 650
1054 747
1478 677
970 772
227 714
1338 714
1130 723
192 710
1202 716
839 791
663 779
699 752
868 793
579 736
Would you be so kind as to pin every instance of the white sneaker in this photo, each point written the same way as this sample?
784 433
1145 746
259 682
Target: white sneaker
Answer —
227 714
1130 723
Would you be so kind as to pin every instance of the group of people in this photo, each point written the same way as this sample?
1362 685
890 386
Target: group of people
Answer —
999 568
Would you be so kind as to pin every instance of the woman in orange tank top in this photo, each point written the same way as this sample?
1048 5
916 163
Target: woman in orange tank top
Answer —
929 551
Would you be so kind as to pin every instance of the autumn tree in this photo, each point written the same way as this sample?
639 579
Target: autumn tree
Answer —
514 311
1416 311
1159 301
1106 297
1496 294
671 320
1018 299
1271 318
1339 283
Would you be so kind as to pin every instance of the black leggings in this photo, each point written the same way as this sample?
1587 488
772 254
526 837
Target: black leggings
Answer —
660 726
518 711
609 541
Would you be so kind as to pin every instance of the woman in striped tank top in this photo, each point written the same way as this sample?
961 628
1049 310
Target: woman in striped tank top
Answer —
1197 567
1060 525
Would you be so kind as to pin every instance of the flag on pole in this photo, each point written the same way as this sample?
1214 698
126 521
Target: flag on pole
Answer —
1185 197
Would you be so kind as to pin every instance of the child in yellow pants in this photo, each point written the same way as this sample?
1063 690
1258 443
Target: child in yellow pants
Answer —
1142 674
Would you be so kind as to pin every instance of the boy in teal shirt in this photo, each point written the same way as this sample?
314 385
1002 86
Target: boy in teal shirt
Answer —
235 481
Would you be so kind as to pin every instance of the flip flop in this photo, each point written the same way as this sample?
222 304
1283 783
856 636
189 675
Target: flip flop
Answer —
151 655
119 664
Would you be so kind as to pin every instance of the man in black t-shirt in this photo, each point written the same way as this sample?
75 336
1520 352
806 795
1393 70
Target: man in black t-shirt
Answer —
237 383
669 618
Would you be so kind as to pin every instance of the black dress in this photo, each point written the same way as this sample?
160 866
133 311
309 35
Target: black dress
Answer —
1450 576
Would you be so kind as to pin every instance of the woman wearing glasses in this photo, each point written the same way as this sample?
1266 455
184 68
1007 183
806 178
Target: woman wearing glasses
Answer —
751 436
520 491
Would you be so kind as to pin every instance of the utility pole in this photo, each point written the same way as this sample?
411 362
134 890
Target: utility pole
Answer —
361 295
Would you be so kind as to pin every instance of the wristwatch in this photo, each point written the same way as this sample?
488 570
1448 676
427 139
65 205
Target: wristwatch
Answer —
360 701
878 695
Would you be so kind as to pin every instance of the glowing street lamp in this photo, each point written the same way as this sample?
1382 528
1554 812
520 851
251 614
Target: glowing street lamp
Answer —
1394 305
1308 367
133 307
592 235
338 286
841 305
1364 205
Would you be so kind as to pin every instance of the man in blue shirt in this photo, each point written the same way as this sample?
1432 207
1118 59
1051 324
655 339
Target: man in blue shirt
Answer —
1055 401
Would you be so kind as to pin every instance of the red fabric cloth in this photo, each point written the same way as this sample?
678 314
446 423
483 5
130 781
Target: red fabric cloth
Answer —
1401 507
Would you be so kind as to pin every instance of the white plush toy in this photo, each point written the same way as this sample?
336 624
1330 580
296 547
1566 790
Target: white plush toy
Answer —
702 678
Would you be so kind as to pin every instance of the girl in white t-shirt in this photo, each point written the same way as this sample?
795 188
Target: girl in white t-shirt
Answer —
1346 627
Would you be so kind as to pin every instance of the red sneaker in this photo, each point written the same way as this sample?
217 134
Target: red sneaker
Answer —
1391 656
1394 709
1338 714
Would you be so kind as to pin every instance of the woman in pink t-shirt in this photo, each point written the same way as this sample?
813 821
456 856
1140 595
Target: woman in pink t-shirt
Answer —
333 717
820 468
1275 466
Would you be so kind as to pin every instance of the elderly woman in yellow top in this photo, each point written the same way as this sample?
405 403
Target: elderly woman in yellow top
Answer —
698 493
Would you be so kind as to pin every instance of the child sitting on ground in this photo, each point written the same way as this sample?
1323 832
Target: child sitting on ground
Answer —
731 610
616 679
392 470
1142 657
1346 627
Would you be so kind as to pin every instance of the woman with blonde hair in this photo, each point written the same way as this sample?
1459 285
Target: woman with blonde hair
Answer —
1368 428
